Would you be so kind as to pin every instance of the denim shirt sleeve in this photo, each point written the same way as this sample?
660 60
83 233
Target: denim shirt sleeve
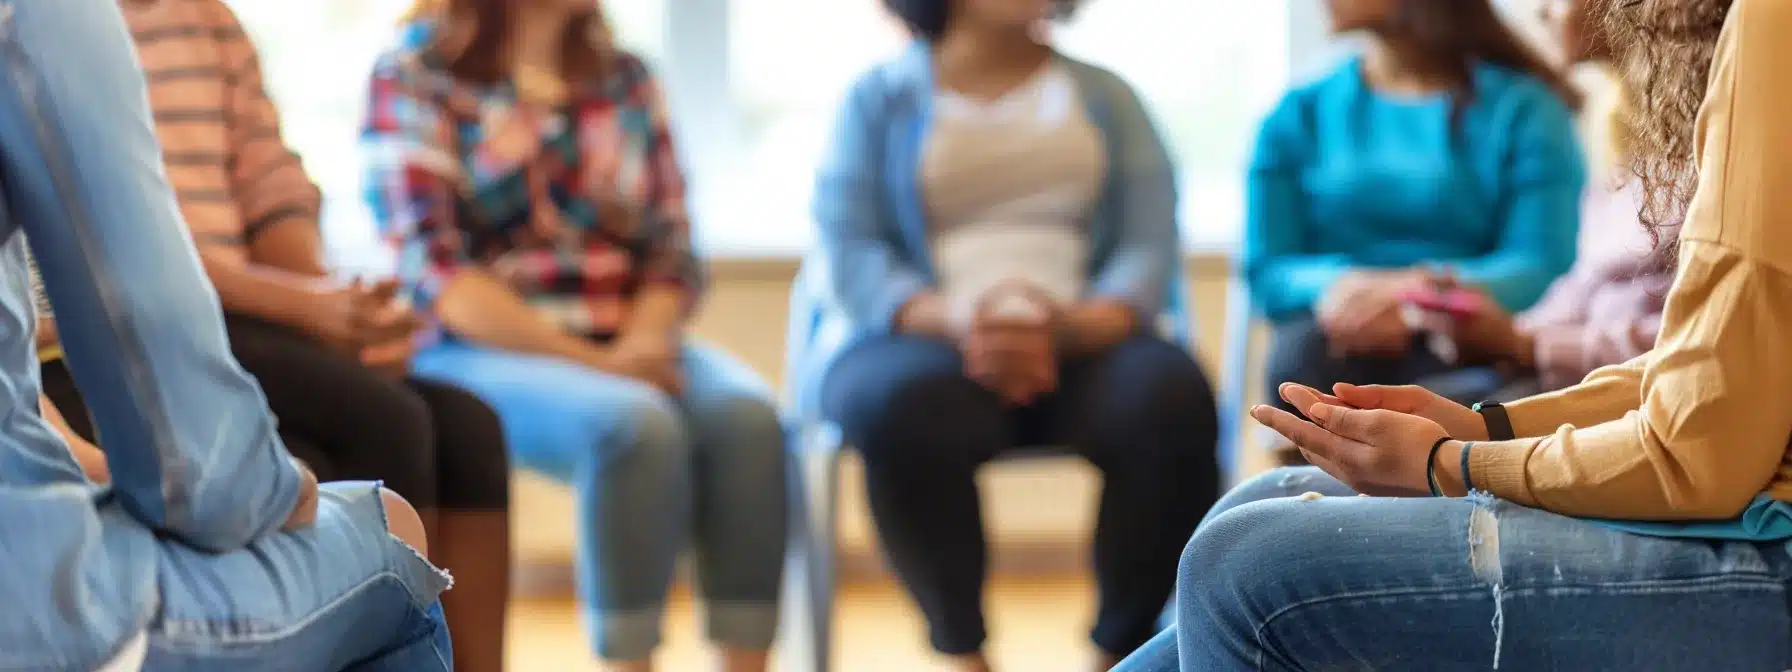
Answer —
189 438
870 279
1142 268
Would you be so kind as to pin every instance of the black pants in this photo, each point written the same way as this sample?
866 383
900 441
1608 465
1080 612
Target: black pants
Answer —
436 445
1142 413
1301 354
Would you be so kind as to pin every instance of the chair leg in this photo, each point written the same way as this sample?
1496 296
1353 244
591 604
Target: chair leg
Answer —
810 569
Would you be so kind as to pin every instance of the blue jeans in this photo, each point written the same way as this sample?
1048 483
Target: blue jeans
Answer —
1275 582
340 595
184 549
651 471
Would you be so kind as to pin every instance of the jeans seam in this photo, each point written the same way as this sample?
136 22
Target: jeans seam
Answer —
28 78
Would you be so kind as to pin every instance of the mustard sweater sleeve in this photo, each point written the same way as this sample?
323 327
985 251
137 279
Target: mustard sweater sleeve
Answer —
1606 394
1711 422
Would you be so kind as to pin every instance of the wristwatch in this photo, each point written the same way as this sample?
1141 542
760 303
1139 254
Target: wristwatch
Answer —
1499 425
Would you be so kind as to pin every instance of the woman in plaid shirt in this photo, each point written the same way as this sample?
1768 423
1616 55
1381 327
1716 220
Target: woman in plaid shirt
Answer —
525 171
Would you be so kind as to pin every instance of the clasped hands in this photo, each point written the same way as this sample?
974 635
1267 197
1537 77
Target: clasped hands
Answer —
1017 334
367 322
1376 438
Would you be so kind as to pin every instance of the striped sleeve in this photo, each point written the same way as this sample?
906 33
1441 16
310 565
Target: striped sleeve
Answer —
267 178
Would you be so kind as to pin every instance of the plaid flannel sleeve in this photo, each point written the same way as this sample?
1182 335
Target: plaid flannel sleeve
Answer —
411 179
670 257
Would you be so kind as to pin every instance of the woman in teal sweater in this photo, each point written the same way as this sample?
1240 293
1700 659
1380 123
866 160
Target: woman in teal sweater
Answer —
1446 150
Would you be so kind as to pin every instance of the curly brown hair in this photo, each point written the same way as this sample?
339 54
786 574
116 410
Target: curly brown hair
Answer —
1665 48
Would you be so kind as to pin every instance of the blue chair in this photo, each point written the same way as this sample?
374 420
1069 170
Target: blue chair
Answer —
817 445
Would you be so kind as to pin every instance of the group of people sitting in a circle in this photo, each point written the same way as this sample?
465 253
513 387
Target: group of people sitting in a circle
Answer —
188 489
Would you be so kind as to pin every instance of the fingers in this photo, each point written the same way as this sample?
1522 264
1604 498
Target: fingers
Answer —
1372 427
1337 418
1401 398
1310 438
1303 398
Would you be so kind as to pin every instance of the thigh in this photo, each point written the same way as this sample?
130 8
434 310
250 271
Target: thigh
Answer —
370 425
472 467
728 407
1142 390
1473 584
555 414
906 392
338 593
319 393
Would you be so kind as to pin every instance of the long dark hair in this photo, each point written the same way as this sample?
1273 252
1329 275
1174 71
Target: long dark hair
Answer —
480 56
1665 50
1456 34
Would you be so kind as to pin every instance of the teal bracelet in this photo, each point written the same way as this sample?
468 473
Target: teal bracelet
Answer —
1431 467
1468 481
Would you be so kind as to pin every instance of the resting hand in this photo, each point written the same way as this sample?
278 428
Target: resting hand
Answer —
304 511
1461 422
1375 452
652 357
1013 358
1010 347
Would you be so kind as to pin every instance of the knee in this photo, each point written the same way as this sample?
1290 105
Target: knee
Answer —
648 428
1241 553
1279 483
748 422
398 420
473 467
403 522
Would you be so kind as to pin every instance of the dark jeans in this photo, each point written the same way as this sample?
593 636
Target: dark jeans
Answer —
1301 354
1141 412
435 444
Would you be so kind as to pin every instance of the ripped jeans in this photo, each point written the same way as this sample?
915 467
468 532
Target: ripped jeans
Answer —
1274 581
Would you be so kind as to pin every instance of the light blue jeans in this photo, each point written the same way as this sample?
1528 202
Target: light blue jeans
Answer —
184 548
1275 582
651 471
340 595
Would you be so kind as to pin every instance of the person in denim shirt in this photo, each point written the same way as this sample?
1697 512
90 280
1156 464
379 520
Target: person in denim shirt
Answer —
211 549
998 226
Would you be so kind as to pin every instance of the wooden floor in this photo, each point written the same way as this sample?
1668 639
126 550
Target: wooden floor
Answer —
1036 624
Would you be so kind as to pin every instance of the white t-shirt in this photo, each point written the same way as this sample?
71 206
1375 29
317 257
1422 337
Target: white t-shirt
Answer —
1008 186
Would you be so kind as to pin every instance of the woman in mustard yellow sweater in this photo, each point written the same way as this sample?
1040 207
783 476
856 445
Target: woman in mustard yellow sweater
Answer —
1639 520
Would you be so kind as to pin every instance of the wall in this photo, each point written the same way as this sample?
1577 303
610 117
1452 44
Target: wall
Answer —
1039 512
